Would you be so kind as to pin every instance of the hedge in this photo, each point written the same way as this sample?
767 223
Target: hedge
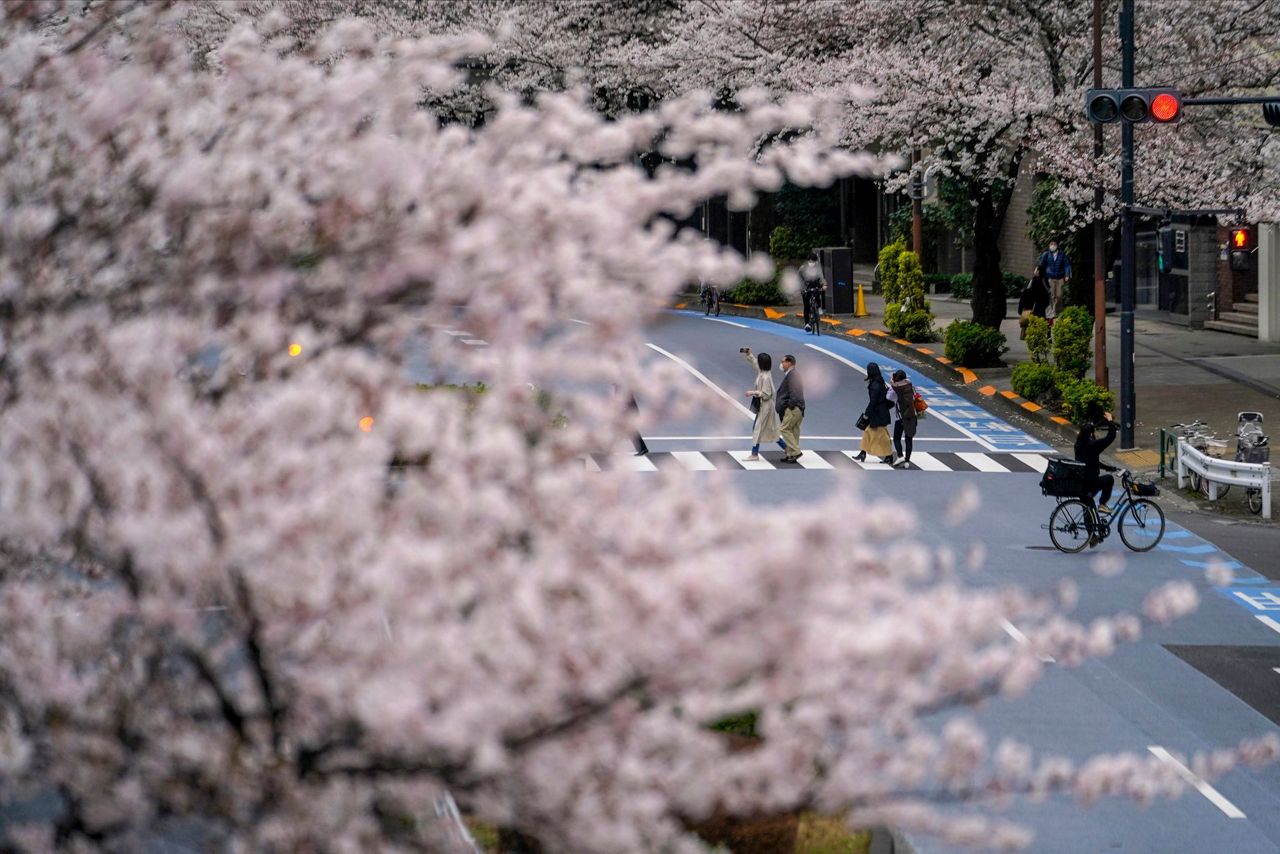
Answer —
1084 399
973 345
1034 380
750 292
1073 341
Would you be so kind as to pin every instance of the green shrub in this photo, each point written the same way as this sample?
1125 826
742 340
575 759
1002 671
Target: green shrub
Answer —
887 269
1034 380
1083 399
750 292
962 286
909 316
911 324
973 345
792 244
1038 341
937 283
1013 284
1073 341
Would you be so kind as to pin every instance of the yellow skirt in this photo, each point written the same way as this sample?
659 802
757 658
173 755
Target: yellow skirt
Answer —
876 442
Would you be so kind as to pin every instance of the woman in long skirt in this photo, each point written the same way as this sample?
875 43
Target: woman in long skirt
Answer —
875 438
767 427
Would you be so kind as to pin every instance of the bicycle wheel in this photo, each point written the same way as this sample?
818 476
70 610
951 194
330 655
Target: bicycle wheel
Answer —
1070 526
1193 480
1253 497
1142 525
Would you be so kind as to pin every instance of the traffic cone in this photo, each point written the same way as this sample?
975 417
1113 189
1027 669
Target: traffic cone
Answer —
860 307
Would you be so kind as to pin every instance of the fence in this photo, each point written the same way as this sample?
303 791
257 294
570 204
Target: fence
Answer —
1229 472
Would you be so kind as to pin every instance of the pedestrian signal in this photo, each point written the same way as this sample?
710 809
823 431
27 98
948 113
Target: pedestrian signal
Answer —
1241 248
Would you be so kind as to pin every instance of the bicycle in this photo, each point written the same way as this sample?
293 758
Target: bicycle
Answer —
1076 522
711 299
1200 438
813 310
1252 446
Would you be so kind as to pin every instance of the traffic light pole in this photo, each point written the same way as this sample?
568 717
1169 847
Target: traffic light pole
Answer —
1128 285
1100 375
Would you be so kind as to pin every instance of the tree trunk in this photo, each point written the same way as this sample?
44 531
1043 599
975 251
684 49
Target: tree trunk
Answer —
988 284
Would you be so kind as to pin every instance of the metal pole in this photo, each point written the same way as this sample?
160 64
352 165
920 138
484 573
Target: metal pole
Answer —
1128 286
1100 373
917 209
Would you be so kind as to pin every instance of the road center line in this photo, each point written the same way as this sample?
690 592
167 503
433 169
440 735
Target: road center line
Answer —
934 412
709 384
1214 796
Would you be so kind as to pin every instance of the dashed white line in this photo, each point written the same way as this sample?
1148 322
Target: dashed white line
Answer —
1036 461
694 461
709 384
1268 622
981 462
1016 633
1213 795
475 342
751 465
456 334
730 322
576 320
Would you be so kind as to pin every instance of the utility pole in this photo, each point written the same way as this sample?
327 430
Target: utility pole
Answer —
1128 285
917 208
1100 372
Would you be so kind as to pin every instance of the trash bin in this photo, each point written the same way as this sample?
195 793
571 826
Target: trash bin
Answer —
837 270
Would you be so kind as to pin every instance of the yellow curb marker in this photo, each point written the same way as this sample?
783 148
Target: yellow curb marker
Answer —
1031 407
681 304
967 375
943 359
904 342
773 314
1058 419
924 350
857 332
1137 456
879 333
988 390
1009 394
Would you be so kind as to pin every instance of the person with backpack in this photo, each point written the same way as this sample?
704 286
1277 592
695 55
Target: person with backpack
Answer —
813 288
874 422
1088 450
1057 269
902 394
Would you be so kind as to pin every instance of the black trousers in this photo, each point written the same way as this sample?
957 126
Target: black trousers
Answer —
811 309
897 441
1104 484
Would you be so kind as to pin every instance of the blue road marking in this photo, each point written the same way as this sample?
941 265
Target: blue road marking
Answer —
994 431
1255 600
1200 549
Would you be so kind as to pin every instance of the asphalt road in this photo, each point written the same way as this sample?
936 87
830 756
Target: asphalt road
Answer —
1207 681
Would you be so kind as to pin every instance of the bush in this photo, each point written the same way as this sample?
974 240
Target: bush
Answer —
887 269
1072 341
973 345
909 316
1034 380
937 283
1038 342
1013 284
962 286
750 292
793 244
1083 399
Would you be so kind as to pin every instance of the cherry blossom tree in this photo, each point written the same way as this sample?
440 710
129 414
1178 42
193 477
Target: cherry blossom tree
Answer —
261 592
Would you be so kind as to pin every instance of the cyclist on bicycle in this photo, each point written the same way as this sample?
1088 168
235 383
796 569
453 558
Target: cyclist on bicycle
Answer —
1089 448
811 276
710 297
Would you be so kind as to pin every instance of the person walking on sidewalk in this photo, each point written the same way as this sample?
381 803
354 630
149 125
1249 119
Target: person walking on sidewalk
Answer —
902 394
791 409
1057 269
766 424
875 435
1034 300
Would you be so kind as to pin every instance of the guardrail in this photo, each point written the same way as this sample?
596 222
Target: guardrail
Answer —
1228 472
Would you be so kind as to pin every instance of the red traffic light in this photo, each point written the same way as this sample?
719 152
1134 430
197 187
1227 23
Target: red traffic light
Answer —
1239 238
1165 107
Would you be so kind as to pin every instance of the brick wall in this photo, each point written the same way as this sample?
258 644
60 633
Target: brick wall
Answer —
1017 254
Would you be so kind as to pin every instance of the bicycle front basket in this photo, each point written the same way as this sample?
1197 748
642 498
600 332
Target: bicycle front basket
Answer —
1145 490
1255 454
1063 479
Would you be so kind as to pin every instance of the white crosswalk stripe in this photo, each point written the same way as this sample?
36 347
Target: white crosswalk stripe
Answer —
736 460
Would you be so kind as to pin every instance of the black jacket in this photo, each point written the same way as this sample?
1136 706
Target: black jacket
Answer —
1089 449
877 397
1034 298
790 393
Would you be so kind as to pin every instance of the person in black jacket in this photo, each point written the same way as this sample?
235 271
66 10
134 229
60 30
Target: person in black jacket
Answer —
1033 301
790 406
1089 448
875 438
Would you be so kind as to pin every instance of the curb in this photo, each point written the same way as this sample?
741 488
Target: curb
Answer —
925 357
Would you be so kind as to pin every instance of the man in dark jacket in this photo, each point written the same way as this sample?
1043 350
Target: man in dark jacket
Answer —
1057 269
790 405
1089 448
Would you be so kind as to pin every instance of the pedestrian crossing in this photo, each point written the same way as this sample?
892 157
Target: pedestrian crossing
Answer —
736 460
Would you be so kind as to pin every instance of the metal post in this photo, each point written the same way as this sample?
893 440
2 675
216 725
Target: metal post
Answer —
917 209
1100 373
1128 286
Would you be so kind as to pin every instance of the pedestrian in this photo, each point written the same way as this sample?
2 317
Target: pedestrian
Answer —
790 408
902 394
875 435
765 428
1088 450
1033 301
1057 269
812 293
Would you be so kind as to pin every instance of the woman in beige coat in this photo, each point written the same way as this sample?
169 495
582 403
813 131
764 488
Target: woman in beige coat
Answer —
767 428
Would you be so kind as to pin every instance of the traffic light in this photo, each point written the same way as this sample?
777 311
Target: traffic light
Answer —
1164 252
1135 106
1271 113
1241 247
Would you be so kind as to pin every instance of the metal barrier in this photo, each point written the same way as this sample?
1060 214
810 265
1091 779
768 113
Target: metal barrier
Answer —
1215 471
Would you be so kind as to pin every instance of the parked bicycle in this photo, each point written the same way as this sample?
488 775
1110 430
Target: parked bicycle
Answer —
1198 436
1252 446
1076 522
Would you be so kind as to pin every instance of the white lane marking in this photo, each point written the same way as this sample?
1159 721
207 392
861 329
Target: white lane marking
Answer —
928 462
981 462
1016 633
1213 795
751 465
475 342
632 463
693 461
1036 461
812 460
807 437
936 414
576 320
870 464
456 334
730 322
1277 670
709 384
592 465
1268 622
